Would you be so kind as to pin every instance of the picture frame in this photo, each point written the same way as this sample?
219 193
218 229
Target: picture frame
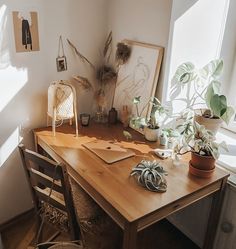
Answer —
61 63
26 31
138 77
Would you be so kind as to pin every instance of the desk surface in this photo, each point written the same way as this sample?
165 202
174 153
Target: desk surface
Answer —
113 182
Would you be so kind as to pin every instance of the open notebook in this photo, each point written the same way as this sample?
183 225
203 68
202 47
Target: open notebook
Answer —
108 151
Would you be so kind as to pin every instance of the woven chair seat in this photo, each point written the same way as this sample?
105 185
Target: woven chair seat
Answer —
61 245
66 246
52 214
98 230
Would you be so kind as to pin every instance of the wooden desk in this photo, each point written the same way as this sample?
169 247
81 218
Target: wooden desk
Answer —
132 207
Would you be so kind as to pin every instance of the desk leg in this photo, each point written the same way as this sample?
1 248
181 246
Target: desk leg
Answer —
130 236
214 216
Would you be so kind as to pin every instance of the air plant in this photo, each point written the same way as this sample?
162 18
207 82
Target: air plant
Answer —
150 174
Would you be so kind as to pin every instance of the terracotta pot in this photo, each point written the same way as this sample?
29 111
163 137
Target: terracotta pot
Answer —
151 134
199 172
212 124
202 162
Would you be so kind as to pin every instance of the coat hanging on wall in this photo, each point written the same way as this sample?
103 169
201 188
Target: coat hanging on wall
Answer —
61 58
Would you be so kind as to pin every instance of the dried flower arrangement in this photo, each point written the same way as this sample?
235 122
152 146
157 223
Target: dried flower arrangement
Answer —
105 73
123 52
83 82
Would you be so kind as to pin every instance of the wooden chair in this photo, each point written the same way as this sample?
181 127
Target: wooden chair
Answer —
50 190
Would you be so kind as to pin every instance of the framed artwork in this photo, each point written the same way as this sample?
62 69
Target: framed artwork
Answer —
138 77
26 31
61 63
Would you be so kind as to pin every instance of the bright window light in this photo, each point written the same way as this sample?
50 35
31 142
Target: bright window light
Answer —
11 78
197 36
227 159
9 145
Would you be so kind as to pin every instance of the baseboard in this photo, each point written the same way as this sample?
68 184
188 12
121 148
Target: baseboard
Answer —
16 219
183 229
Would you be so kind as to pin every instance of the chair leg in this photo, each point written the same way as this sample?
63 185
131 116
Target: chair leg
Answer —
57 233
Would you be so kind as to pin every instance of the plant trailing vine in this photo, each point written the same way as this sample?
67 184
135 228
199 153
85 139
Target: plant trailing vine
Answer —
150 174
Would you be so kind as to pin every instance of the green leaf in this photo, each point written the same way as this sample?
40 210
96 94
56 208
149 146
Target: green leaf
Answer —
209 94
136 100
184 73
228 114
224 146
217 104
216 86
213 69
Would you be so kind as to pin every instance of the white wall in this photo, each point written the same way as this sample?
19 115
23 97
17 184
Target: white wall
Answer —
144 20
25 77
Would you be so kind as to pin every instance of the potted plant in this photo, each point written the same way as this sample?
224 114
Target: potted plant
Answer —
170 134
207 88
150 125
204 150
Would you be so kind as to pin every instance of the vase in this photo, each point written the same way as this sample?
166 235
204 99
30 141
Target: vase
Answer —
151 134
125 116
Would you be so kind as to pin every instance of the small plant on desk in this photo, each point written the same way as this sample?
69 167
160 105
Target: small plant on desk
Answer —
150 125
204 150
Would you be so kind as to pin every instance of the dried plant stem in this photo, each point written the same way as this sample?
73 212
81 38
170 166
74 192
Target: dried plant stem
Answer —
83 58
107 45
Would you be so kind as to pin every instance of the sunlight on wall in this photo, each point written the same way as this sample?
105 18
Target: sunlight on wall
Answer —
12 80
10 145
197 37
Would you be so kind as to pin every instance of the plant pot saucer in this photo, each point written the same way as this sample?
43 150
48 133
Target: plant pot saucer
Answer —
199 172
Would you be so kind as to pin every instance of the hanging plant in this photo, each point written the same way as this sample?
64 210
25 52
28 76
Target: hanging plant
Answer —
150 174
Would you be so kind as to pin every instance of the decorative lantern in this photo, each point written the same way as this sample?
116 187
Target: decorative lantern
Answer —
61 104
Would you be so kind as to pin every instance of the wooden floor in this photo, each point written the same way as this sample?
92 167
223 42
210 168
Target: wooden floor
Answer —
162 235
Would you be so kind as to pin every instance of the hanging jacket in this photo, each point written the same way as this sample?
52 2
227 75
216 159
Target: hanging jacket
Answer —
26 34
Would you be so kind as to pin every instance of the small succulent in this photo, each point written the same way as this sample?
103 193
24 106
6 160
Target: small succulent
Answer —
150 174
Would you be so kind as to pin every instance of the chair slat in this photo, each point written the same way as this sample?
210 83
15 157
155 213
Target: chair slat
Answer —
50 167
53 200
45 180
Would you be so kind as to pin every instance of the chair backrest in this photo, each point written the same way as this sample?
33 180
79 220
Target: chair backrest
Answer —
48 181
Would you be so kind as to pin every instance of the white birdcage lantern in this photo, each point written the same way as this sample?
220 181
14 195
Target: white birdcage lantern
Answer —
62 103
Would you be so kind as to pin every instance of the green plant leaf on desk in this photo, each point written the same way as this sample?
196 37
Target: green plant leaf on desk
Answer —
127 135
